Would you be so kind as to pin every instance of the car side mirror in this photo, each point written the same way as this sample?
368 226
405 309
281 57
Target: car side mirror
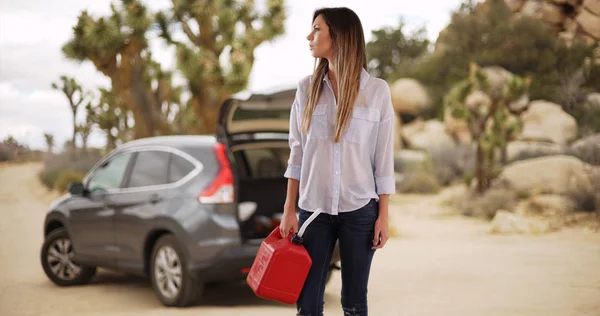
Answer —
76 188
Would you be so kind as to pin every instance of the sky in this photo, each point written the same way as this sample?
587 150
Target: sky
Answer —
32 33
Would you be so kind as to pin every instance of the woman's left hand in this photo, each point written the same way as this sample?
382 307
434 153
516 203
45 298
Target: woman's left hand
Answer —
381 233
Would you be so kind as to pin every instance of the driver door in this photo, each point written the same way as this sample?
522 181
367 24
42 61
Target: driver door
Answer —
92 216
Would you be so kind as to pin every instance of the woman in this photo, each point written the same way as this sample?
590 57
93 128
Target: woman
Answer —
341 161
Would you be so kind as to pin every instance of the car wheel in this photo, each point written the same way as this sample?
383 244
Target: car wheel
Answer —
169 274
57 260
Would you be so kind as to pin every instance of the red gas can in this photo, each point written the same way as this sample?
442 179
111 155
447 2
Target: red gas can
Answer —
280 267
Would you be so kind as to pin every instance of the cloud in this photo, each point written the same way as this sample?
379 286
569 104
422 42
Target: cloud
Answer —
27 116
32 33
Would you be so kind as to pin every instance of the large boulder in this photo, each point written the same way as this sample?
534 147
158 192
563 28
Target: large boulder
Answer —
427 135
515 5
593 6
533 8
552 13
587 149
550 174
530 149
589 22
409 96
546 121
570 19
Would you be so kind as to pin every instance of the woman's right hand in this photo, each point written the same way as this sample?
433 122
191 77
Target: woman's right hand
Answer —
289 221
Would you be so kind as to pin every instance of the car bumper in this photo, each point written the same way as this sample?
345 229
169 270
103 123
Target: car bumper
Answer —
234 263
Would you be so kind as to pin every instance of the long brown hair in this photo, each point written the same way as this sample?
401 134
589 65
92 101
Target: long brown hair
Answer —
349 59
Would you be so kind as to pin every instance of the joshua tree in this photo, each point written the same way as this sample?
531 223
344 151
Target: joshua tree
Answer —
49 141
84 130
214 28
76 96
491 111
118 47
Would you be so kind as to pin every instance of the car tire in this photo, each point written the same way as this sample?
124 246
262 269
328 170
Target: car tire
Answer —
56 258
171 279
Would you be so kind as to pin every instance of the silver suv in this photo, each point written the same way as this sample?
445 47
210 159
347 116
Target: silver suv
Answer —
184 210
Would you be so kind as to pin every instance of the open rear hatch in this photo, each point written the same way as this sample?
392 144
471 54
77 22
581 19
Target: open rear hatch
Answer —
254 127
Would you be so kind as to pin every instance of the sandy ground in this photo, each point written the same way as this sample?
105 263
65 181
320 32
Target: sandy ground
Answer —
438 265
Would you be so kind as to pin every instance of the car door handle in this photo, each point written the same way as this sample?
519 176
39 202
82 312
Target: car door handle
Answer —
155 199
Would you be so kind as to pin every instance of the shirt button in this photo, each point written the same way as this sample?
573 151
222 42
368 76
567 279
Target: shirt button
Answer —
337 172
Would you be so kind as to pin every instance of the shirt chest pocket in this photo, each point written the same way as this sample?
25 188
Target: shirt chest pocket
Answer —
318 123
363 125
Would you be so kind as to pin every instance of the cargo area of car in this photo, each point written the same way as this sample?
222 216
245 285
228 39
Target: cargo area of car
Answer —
261 190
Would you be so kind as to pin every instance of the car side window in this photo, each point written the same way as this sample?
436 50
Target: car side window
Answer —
179 167
110 174
149 168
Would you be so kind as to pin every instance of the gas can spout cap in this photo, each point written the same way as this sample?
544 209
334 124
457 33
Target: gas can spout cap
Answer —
297 240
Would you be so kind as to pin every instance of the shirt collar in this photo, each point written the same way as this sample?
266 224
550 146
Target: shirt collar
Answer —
364 77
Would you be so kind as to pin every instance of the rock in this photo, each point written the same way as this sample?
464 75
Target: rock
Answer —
497 78
546 121
409 96
588 149
593 100
525 149
552 13
550 174
429 135
478 99
593 6
547 205
569 19
590 23
407 160
456 128
533 8
515 5
505 222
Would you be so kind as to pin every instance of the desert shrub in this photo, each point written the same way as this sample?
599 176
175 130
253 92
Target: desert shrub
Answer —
48 178
68 164
65 161
66 177
486 205
419 182
452 163
6 154
586 196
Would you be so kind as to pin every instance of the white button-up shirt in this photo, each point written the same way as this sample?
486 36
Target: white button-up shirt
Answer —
343 176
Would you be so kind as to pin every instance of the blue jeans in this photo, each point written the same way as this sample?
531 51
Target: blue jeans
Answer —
355 232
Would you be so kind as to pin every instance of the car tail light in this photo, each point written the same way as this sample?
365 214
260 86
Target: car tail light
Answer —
221 190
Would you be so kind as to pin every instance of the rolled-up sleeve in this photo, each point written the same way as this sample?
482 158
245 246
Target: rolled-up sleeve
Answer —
295 140
385 180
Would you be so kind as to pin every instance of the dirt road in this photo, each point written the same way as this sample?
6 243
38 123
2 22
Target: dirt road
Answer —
439 265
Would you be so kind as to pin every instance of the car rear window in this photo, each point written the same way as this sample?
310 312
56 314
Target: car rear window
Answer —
150 168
